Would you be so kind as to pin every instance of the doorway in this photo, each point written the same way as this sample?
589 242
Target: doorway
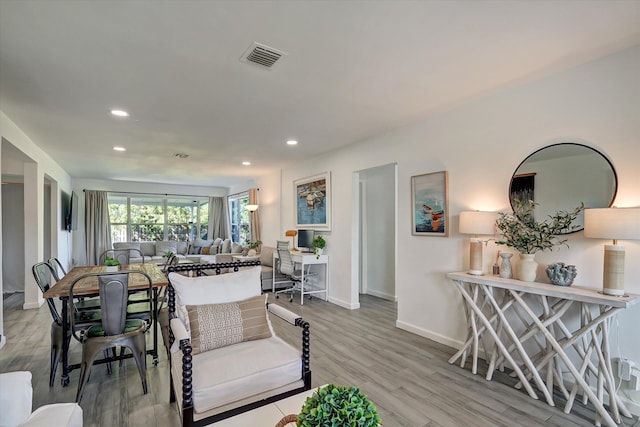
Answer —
377 231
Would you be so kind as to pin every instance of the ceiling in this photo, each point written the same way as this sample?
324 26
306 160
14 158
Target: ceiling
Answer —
353 69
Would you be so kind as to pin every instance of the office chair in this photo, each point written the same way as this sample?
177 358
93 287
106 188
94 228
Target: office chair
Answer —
286 266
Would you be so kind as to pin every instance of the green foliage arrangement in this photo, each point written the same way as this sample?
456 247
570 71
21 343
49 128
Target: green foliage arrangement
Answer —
255 245
338 406
167 254
319 242
521 232
111 262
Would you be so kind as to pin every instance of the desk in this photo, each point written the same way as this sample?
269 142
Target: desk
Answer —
89 287
306 260
540 308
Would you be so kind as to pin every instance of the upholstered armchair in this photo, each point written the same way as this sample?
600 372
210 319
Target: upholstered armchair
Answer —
222 368
16 395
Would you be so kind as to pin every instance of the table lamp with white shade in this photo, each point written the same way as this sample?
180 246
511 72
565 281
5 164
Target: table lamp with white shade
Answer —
613 224
477 223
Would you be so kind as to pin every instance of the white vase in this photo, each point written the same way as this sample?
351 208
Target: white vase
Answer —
318 251
505 267
528 268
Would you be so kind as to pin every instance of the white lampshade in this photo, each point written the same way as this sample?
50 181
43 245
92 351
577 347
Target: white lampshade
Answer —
612 223
252 208
478 222
615 224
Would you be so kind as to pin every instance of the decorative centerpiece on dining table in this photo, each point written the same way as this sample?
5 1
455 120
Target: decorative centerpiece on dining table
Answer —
112 264
522 232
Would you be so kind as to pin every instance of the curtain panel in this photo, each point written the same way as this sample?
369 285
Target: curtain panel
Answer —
218 218
97 227
254 216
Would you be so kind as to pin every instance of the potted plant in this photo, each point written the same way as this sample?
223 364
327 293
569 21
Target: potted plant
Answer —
254 248
112 264
523 233
334 405
318 244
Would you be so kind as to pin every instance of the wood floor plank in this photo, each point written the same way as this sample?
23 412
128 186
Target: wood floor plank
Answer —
407 376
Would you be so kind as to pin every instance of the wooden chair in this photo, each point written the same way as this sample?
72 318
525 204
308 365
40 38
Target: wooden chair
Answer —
247 374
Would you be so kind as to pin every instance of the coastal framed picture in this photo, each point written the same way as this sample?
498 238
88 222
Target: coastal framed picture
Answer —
430 204
312 202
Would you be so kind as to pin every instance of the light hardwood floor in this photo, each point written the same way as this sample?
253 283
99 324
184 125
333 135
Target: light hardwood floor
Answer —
407 376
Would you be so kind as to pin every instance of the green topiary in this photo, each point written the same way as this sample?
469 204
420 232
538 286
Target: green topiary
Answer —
111 262
338 406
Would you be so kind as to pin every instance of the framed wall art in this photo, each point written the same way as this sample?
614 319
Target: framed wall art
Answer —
312 196
429 204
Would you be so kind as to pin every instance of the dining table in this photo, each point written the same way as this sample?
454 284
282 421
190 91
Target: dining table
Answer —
88 287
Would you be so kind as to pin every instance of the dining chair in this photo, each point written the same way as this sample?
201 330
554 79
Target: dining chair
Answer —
57 266
287 267
43 273
115 329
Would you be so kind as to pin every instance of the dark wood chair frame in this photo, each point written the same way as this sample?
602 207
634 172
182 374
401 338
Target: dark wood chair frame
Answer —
185 346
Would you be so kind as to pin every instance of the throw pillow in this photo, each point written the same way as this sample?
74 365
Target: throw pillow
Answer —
236 248
219 325
226 246
205 251
214 289
164 247
197 250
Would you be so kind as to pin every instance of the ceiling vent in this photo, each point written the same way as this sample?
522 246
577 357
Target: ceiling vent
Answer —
262 55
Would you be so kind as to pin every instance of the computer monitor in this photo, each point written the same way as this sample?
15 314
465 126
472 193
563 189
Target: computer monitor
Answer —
305 237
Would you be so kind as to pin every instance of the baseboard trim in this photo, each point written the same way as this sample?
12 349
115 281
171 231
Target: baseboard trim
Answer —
429 334
344 304
33 305
382 295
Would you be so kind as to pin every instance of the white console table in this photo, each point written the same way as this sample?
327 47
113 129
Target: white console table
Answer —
519 316
306 260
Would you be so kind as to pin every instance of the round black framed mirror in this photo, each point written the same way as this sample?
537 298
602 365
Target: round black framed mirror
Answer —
561 176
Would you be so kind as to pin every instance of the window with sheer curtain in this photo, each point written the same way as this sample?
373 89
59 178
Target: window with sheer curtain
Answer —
156 218
240 223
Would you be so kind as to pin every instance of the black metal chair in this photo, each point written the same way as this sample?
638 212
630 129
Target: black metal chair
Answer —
57 266
115 328
43 273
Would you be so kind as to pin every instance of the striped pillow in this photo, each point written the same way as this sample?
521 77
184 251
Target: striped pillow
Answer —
219 325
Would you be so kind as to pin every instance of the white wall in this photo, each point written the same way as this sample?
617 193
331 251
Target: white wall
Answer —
481 145
378 225
13 231
11 133
79 252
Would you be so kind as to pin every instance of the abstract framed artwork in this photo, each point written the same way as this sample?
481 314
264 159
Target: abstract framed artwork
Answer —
312 205
430 204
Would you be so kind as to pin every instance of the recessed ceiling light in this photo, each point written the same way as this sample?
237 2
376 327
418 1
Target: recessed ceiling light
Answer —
119 149
246 163
120 113
292 142
181 155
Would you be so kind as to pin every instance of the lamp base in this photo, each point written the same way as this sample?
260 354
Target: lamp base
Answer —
475 257
613 274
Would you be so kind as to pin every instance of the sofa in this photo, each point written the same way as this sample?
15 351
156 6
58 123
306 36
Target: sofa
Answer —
16 395
202 250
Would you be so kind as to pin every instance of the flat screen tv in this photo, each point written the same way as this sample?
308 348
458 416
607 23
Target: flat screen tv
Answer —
305 237
69 210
